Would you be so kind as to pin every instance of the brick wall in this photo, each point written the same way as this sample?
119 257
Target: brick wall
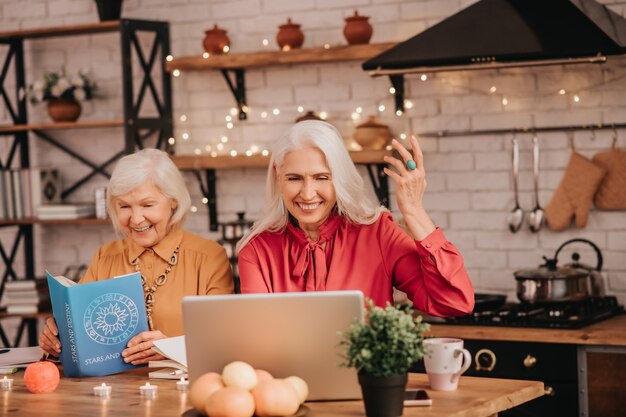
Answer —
469 187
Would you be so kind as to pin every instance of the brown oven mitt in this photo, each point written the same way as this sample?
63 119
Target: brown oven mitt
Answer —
611 194
574 195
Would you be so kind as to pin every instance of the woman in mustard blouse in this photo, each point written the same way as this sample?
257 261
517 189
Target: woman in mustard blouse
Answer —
147 201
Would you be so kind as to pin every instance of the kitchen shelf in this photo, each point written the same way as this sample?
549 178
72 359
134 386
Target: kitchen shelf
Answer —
33 220
274 58
69 30
61 125
372 159
192 162
236 64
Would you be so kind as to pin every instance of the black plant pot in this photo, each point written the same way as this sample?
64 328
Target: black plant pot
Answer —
383 395
109 9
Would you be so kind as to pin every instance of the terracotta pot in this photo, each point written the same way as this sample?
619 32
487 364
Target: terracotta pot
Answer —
216 41
357 29
372 134
309 115
289 36
61 110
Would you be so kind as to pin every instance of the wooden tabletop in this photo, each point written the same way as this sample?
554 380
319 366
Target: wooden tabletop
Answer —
475 397
610 332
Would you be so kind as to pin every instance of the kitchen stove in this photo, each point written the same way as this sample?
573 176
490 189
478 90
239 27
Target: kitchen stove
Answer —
558 315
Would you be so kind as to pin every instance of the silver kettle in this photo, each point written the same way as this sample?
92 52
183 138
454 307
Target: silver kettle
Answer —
595 273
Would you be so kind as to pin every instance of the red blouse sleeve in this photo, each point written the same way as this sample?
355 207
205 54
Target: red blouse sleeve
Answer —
430 272
250 272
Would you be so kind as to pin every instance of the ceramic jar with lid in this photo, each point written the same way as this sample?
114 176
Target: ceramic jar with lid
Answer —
309 115
357 29
216 41
289 36
372 134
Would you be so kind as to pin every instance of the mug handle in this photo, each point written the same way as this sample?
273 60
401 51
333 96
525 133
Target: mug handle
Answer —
467 361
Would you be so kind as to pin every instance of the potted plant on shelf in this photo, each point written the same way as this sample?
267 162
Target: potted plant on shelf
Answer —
63 94
382 348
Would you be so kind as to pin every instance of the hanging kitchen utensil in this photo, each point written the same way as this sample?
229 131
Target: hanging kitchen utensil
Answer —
516 216
595 273
536 216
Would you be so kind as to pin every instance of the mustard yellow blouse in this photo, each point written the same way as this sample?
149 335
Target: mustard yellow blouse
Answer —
202 269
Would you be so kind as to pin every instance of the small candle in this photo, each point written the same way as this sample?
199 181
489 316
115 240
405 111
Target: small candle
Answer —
103 390
148 391
182 385
6 384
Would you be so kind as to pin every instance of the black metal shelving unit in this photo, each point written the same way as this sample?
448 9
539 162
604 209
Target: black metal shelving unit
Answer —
138 129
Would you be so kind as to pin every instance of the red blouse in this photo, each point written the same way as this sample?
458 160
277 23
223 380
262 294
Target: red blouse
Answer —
371 258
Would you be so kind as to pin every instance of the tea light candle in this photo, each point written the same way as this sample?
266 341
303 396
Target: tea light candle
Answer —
182 385
6 384
103 390
148 391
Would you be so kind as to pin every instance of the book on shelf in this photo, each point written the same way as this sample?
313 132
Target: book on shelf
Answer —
65 211
27 308
22 190
25 284
96 320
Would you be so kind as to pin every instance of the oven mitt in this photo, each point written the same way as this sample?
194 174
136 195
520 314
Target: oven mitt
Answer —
574 195
611 194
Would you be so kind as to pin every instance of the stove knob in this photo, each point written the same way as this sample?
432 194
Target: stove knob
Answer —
530 361
485 360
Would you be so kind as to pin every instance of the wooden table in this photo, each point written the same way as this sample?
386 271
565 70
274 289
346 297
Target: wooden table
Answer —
475 397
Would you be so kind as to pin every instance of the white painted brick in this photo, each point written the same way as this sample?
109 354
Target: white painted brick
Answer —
20 10
398 31
463 240
505 240
448 162
326 92
429 9
447 201
476 143
617 281
496 280
502 120
437 123
469 104
617 240
239 8
343 4
292 76
491 200
606 220
477 181
484 259
278 7
478 220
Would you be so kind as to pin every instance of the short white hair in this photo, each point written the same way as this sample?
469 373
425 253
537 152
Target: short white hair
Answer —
148 165
353 203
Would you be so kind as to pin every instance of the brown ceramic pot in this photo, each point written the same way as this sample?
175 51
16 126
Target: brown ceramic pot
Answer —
372 134
61 110
309 115
289 36
357 29
215 41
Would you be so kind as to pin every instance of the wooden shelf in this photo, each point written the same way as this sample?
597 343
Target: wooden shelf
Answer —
61 125
32 220
273 58
82 29
193 162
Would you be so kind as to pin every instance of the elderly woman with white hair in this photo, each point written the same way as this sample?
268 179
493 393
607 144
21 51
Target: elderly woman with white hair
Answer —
147 201
321 232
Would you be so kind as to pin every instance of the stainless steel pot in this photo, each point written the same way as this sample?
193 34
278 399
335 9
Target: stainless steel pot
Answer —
550 283
595 273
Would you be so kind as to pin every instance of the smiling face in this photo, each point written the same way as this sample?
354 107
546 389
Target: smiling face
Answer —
306 186
144 214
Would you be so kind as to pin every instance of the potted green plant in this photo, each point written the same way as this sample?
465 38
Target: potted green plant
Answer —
382 348
62 94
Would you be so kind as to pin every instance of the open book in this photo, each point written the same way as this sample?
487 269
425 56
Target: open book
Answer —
95 322
175 367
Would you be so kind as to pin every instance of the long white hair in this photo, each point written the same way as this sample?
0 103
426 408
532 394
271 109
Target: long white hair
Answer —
352 201
148 165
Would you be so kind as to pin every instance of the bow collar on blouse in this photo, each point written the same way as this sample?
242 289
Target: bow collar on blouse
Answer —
311 263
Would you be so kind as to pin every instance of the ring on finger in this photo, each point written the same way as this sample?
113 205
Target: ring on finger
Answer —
411 165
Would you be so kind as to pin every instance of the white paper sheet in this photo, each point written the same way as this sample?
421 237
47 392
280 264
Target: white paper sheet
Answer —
172 348
13 357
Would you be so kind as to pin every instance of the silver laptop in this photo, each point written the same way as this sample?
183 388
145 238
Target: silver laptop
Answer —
285 334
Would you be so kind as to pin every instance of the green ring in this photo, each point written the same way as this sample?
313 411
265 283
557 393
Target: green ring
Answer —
411 165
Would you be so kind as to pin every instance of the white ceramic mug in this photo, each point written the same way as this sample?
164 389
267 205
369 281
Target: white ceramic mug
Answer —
445 361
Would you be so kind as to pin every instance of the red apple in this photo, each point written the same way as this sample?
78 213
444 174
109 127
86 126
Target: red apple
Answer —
41 377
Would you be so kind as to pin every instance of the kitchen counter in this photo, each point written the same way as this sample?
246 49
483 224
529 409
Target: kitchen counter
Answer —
610 332
475 397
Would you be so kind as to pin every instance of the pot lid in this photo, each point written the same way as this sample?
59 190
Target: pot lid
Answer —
547 273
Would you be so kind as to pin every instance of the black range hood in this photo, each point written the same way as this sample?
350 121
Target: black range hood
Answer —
509 33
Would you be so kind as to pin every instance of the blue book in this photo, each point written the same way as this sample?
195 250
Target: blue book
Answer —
96 320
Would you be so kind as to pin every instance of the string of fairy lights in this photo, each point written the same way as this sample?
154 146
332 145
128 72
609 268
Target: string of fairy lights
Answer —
223 146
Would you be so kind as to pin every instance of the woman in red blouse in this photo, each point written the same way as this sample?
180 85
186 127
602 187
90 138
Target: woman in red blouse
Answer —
320 231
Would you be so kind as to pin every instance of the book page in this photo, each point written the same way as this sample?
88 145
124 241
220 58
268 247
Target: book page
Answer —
172 348
66 282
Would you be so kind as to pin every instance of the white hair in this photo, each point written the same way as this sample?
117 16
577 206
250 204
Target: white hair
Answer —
148 165
352 201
